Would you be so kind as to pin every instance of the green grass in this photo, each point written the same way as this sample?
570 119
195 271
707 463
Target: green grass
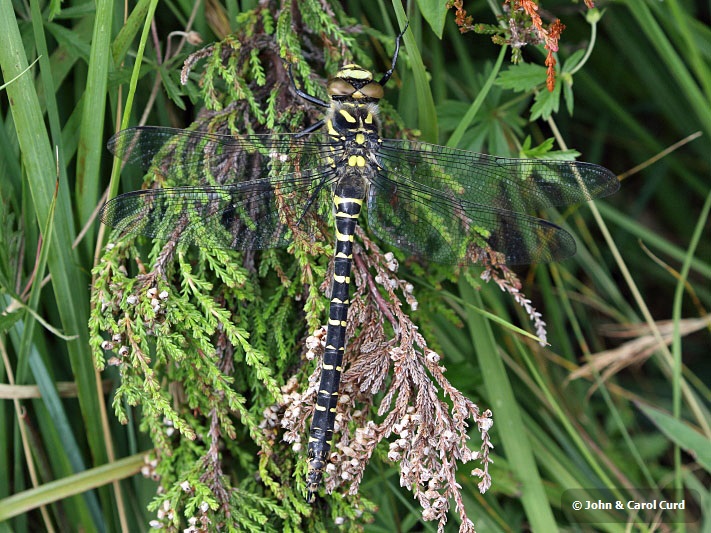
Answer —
637 292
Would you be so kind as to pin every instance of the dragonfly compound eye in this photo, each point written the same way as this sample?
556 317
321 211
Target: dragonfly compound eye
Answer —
372 90
340 87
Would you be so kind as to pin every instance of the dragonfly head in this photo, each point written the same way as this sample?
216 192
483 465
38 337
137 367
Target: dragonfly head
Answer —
354 83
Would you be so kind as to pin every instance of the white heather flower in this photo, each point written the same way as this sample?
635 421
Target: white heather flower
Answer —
312 342
123 351
429 514
339 520
132 299
440 503
347 450
485 424
433 357
185 486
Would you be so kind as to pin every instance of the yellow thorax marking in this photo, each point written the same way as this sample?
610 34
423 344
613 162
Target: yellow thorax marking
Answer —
356 161
359 138
331 130
345 114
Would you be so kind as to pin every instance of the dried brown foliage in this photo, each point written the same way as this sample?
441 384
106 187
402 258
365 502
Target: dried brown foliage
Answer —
425 418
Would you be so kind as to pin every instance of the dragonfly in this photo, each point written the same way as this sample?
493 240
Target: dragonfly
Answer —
261 191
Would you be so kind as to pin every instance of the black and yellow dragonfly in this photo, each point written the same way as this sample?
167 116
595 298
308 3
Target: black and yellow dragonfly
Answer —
259 191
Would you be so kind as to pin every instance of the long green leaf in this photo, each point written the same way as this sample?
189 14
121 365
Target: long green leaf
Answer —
69 486
508 420
68 283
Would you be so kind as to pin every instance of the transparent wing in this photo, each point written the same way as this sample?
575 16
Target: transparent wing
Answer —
249 216
241 192
522 185
443 227
188 156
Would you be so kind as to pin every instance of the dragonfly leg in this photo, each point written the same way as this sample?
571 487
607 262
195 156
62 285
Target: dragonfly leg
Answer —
389 72
314 100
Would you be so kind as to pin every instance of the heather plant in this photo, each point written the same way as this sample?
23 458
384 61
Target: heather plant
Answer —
592 369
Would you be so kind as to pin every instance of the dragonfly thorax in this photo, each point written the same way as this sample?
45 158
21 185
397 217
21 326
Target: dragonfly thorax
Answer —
347 117
357 127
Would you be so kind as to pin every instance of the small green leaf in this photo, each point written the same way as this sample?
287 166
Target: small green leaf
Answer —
570 63
545 151
528 152
547 103
682 434
7 320
522 77
435 13
171 88
568 95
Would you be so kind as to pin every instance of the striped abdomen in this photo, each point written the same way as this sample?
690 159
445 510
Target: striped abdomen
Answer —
321 434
